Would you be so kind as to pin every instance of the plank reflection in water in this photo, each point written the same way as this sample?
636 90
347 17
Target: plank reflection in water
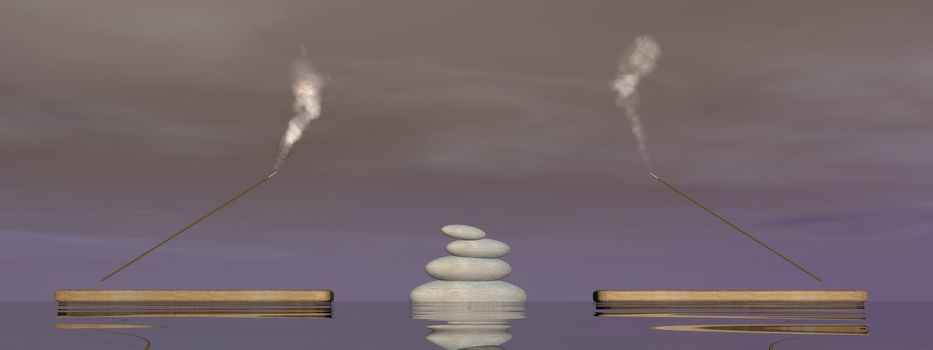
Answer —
469 325
732 310
738 308
197 310
101 326
825 329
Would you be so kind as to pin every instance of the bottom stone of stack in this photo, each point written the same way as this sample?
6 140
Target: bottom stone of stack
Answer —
468 291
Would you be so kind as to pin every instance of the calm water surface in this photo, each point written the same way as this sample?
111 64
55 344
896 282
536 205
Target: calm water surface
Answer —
384 325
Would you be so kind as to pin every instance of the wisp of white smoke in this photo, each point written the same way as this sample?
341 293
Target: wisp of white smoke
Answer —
306 87
638 61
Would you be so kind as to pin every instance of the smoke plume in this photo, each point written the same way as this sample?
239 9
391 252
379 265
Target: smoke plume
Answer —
638 61
306 86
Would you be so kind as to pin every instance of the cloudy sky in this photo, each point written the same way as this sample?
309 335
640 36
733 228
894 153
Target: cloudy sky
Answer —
809 124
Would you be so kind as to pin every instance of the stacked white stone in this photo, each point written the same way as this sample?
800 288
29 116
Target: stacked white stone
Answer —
472 273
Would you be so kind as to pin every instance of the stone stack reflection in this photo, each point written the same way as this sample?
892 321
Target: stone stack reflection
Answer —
469 325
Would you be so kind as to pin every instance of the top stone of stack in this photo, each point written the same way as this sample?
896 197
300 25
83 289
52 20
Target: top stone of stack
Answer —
463 232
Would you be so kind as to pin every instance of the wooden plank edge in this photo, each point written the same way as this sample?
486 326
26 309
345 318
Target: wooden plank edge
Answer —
660 296
182 296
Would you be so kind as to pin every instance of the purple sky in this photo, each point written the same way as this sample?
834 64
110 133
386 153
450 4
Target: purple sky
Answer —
808 124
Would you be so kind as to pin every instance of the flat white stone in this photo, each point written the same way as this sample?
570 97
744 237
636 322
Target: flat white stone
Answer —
465 291
480 248
463 232
455 268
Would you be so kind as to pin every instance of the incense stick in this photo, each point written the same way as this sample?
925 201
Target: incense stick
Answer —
736 227
195 222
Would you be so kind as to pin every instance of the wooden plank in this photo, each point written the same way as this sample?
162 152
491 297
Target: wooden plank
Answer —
735 316
700 296
169 314
193 296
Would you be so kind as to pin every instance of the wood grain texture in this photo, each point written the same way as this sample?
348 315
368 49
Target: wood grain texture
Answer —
169 314
661 296
193 296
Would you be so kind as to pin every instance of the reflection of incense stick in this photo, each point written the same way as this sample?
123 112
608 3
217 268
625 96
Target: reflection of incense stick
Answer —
771 347
148 343
746 233
195 222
